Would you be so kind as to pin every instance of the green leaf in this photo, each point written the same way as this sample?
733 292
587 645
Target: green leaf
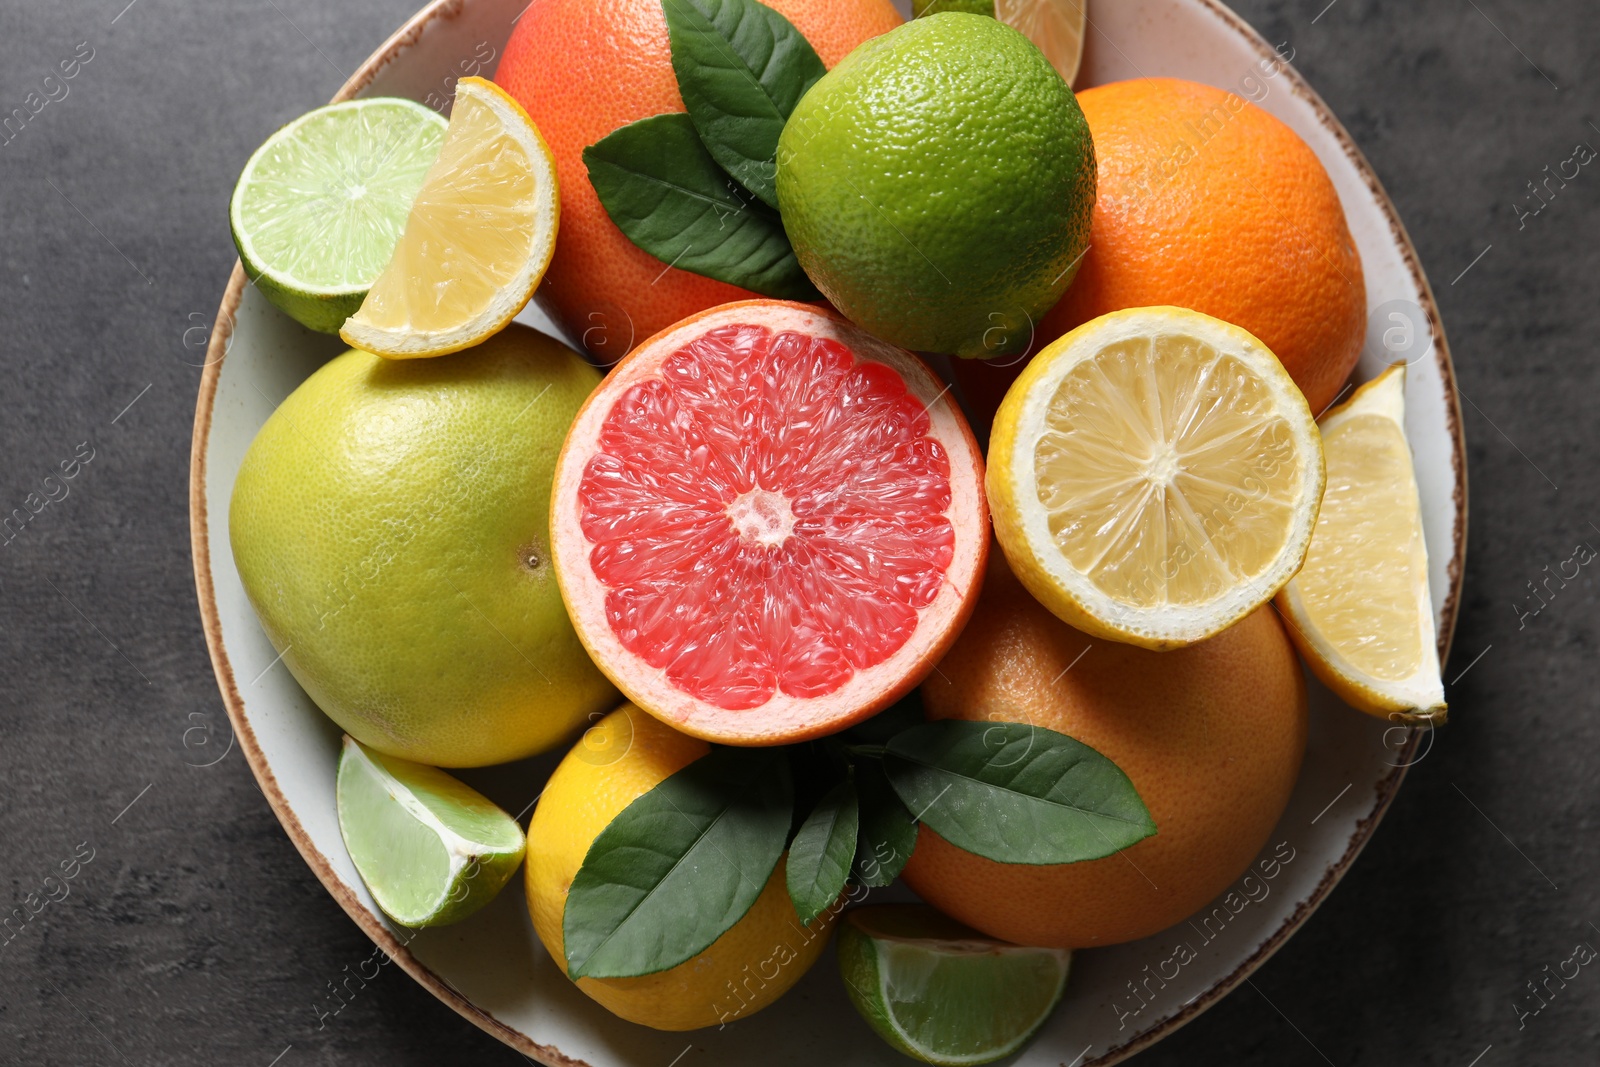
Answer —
741 69
821 853
816 768
888 832
665 192
1016 793
882 727
679 866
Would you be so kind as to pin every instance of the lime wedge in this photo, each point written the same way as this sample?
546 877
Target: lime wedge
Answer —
320 206
941 992
431 850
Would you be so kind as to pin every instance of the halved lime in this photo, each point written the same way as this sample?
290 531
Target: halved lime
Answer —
431 850
941 992
320 206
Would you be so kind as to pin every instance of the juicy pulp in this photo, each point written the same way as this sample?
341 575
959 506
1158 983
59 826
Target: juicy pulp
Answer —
1165 472
768 514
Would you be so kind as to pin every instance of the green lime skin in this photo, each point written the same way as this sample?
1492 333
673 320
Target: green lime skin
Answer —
323 312
390 523
938 185
920 8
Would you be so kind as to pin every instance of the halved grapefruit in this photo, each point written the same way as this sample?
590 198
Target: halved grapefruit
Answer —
768 524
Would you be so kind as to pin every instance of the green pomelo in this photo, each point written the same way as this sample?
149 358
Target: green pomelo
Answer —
390 523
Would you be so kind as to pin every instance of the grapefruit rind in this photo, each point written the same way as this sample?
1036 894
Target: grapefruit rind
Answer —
782 718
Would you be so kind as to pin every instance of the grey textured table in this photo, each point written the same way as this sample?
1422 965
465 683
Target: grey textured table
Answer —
192 933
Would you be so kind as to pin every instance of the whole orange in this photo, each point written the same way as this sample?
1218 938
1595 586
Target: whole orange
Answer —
1211 736
1208 202
583 68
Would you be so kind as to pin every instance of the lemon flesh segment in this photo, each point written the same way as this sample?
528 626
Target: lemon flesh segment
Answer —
1056 27
430 850
479 237
1360 608
1158 476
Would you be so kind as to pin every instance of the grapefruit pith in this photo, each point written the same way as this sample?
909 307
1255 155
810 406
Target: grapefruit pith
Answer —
768 524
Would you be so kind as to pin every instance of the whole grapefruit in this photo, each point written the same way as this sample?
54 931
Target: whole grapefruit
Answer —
582 69
1211 736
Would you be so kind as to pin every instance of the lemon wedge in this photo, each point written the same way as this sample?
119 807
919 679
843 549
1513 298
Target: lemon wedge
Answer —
1056 27
1360 610
478 240
1154 476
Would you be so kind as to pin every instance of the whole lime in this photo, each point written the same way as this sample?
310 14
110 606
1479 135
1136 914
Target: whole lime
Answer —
938 184
390 523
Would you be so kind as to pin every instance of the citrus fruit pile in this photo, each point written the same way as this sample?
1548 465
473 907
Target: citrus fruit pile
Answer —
1053 684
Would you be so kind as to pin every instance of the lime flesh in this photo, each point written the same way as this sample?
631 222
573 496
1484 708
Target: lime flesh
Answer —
319 207
431 850
941 992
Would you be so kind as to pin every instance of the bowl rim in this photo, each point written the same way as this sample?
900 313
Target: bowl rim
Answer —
200 541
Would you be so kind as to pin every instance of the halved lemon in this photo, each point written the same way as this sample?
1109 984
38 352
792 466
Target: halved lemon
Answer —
478 239
1154 476
1360 610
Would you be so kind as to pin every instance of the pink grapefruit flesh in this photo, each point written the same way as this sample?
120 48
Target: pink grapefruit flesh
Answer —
768 524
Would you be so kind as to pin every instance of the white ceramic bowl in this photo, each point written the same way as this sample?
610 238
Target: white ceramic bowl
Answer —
491 968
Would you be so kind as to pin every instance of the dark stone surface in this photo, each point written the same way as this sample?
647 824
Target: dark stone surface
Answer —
195 935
